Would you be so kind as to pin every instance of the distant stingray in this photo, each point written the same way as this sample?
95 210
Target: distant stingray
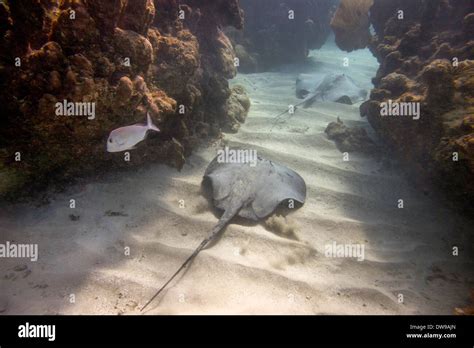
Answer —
319 87
333 87
250 191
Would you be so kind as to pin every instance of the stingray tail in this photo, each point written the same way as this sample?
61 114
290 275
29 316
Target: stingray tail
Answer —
277 117
310 100
225 218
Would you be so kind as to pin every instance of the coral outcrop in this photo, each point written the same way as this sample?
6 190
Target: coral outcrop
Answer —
426 53
350 139
237 108
351 24
467 310
124 57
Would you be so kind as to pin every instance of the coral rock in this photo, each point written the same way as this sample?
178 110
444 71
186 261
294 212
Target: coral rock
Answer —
138 16
425 58
247 62
349 139
351 24
106 13
80 32
135 47
124 90
237 108
395 83
78 50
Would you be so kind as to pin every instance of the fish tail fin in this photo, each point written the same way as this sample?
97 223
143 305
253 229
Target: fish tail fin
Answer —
150 124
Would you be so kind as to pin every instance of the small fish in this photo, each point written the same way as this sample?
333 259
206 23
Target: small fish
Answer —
125 138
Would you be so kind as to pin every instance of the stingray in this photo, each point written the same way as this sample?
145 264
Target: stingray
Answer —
320 87
250 190
332 87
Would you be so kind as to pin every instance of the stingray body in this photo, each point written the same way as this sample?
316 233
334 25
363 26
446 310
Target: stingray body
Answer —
331 87
306 84
251 191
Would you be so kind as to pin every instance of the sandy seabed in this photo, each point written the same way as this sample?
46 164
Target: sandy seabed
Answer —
251 269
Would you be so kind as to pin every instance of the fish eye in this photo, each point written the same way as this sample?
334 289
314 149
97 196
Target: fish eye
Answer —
110 140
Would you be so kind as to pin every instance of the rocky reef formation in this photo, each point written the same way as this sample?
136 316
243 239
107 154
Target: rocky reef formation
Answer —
467 310
280 31
351 24
126 58
426 51
350 139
